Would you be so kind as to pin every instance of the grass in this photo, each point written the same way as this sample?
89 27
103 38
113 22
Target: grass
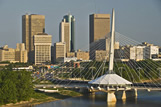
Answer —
42 97
63 93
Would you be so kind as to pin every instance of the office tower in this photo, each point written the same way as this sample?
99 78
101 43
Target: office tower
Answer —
65 34
31 25
99 34
59 52
99 26
42 48
71 21
14 55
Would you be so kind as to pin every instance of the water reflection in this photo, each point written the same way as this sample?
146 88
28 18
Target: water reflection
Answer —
124 101
111 104
99 100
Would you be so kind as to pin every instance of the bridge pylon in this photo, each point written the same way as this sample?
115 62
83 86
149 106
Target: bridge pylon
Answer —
111 83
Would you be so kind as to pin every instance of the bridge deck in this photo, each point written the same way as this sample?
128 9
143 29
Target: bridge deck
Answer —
78 86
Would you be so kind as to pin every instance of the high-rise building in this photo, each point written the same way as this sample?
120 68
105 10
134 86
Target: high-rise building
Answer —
99 26
99 34
31 25
59 52
65 34
68 20
42 48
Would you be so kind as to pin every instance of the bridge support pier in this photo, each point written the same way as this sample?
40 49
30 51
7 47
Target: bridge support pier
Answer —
111 96
93 93
132 93
121 95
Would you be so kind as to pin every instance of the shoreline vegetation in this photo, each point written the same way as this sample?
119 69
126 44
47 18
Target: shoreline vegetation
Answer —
42 97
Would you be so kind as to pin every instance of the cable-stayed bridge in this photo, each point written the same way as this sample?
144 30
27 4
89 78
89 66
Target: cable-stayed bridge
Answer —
119 72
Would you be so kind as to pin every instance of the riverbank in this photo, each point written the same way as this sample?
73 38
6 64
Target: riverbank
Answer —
42 97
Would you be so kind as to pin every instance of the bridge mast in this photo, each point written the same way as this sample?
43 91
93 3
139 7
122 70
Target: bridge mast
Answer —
112 41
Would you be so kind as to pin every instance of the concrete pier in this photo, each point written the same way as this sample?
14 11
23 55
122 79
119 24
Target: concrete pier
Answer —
121 95
131 93
111 96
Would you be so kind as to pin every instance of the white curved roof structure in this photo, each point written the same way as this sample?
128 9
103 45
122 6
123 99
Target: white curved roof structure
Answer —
110 79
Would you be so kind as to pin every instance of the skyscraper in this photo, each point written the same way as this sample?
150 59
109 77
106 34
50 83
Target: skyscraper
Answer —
99 30
31 25
42 48
99 26
71 21
65 34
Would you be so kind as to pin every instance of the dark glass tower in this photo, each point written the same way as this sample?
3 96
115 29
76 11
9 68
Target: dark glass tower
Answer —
71 20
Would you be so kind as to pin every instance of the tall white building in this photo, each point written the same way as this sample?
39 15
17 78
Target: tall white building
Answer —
42 48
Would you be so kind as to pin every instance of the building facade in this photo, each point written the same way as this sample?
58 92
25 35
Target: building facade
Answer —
14 55
134 52
99 45
21 53
99 26
82 55
31 25
99 33
7 54
101 55
151 52
42 48
67 28
65 34
70 54
141 52
59 52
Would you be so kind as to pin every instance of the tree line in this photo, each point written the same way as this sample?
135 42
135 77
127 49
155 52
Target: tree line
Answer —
15 86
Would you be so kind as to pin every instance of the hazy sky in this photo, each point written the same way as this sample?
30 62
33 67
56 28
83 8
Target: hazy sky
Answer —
137 19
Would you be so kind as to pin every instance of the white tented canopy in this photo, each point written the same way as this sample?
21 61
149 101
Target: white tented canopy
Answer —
110 79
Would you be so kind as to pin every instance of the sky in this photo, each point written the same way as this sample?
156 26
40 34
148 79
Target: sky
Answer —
137 19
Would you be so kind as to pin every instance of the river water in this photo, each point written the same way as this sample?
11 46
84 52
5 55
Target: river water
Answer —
145 99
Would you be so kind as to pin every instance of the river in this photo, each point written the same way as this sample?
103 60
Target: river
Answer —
145 99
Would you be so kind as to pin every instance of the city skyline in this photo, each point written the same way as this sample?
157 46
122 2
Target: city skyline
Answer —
125 71
142 23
